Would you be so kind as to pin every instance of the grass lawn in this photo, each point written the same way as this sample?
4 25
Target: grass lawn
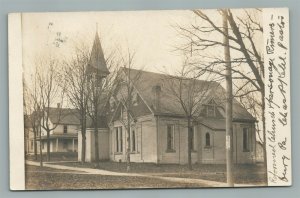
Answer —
56 156
43 178
244 174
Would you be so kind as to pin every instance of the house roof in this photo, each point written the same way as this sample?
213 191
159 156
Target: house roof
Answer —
215 124
168 105
64 116
71 117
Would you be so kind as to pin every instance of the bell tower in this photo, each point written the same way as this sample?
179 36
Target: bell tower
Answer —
97 65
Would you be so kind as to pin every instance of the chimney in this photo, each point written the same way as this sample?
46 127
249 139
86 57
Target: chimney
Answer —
156 92
58 105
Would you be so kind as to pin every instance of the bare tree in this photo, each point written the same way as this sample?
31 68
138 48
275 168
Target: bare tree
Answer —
190 94
51 90
30 115
126 87
245 34
77 89
32 106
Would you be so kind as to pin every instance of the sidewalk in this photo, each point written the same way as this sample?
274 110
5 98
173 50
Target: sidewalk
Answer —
91 171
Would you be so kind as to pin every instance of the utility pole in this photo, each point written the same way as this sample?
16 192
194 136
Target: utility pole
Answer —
229 131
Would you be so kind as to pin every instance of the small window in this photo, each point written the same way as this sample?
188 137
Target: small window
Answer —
207 140
133 146
170 138
210 109
246 140
119 140
65 129
31 144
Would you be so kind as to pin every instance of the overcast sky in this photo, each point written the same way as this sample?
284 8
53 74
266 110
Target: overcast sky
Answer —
149 33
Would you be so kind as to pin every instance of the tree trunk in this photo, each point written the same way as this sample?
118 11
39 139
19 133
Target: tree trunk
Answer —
83 146
48 146
189 144
34 143
41 152
229 132
83 140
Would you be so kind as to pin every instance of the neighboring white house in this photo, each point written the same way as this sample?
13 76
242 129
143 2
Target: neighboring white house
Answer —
64 138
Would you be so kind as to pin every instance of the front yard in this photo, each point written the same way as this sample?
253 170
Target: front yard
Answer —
44 178
243 174
55 156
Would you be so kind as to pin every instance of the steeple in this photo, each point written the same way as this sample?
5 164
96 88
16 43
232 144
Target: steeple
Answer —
97 62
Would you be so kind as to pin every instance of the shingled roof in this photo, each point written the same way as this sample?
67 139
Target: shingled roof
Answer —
97 61
71 117
64 116
168 104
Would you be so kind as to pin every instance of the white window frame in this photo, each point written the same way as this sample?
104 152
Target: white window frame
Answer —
214 110
172 146
133 144
247 147
65 126
118 139
206 145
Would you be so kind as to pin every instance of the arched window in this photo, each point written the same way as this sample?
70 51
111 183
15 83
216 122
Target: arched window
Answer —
246 138
207 139
170 138
133 143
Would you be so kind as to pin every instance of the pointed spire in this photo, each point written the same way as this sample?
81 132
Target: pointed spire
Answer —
97 61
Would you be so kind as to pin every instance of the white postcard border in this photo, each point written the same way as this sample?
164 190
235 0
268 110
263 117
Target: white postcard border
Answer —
16 119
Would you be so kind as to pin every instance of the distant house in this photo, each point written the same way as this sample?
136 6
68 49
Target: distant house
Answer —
28 135
64 138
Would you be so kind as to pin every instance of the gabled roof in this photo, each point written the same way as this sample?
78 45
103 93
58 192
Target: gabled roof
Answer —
97 61
169 105
71 117
215 124
64 116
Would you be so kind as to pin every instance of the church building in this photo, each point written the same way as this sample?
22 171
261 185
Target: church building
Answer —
158 125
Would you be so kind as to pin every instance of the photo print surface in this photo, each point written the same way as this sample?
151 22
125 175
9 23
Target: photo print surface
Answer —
150 99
